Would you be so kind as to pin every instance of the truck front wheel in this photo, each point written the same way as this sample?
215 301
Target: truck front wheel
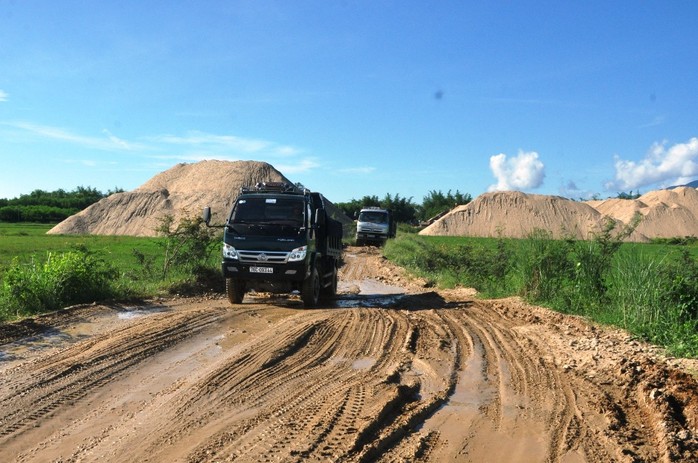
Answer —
310 294
330 291
235 289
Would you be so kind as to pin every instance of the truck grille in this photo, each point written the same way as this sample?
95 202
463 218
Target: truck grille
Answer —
260 257
371 230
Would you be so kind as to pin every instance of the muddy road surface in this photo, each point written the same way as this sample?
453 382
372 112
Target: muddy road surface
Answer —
390 372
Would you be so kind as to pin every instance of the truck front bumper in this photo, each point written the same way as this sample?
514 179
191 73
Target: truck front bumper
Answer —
365 236
290 271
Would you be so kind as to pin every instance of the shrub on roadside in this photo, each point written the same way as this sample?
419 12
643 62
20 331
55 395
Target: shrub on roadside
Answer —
63 279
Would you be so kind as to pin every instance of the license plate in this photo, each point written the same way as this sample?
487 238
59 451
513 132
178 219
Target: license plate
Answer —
261 270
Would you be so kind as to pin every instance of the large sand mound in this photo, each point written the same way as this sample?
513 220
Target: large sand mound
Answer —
515 214
664 214
182 191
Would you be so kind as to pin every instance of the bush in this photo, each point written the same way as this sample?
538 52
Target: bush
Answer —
483 268
188 246
63 279
543 267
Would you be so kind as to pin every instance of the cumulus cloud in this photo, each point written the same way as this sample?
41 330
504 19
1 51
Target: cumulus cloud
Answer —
662 165
521 172
3 95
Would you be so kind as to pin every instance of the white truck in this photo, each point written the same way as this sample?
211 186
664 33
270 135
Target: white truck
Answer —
374 226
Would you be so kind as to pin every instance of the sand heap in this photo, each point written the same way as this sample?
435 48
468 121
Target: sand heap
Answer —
665 214
515 214
182 191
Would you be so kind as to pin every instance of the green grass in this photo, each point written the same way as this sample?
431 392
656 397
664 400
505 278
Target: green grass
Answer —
30 241
651 290
33 262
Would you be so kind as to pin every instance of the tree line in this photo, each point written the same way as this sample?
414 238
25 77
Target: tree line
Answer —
49 206
405 210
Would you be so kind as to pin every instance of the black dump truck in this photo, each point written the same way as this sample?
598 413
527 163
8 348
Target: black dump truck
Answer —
280 239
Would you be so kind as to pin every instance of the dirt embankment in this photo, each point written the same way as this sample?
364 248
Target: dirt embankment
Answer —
388 372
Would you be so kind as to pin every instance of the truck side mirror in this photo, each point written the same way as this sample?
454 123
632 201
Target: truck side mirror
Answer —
207 216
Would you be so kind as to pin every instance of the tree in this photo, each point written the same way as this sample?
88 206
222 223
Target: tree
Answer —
49 206
436 203
403 209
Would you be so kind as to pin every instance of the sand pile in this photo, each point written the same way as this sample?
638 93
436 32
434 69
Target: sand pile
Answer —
182 191
515 214
665 214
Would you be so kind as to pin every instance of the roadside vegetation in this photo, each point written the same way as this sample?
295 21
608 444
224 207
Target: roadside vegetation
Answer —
651 290
41 273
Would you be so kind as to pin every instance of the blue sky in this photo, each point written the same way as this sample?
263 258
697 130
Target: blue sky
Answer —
352 98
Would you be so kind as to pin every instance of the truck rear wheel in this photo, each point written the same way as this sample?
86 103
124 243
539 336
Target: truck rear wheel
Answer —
235 289
310 294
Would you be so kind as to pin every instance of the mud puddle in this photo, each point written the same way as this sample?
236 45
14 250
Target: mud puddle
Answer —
367 293
56 337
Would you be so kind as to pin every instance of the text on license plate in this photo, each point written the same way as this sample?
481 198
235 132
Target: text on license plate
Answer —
262 269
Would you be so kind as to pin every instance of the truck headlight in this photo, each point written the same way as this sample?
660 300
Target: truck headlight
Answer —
298 254
229 252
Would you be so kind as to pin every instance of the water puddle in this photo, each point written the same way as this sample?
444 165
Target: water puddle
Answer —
363 363
75 331
368 293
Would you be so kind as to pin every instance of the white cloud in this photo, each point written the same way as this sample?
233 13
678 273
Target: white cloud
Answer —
3 95
110 143
227 143
303 165
522 172
673 165
658 120
116 140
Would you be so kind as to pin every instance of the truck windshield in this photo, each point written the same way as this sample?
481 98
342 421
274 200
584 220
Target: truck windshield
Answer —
373 217
270 211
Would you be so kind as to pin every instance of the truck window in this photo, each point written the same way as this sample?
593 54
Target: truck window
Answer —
373 217
280 211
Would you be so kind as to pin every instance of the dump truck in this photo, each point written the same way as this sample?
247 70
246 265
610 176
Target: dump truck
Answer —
280 239
374 226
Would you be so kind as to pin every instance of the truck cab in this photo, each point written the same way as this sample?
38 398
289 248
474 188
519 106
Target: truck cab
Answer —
374 225
279 239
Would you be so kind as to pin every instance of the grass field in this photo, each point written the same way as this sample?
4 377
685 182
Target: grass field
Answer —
28 241
34 266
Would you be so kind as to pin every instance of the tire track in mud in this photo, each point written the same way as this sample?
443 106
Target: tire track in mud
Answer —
317 387
421 379
526 391
73 373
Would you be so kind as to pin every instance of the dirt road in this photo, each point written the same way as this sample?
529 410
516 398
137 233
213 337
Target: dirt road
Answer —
390 372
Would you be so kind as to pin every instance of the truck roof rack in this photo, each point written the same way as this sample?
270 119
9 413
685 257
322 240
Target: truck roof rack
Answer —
275 187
